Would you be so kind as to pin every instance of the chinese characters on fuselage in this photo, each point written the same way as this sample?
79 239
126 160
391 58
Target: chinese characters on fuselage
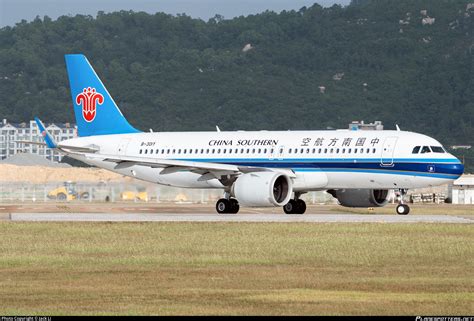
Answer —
336 142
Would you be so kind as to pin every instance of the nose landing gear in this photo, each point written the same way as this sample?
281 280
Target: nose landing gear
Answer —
402 209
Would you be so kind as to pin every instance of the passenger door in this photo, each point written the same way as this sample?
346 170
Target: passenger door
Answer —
388 150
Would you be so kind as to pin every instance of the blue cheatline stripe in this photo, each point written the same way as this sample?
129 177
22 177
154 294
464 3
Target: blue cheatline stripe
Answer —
342 170
332 160
439 170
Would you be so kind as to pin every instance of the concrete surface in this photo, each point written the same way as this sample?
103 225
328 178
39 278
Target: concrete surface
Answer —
204 217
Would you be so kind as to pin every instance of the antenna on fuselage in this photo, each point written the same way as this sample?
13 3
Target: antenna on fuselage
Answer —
218 129
398 128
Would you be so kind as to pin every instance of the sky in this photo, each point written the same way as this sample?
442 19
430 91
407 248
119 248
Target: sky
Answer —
13 11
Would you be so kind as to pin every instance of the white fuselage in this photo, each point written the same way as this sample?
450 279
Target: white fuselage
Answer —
319 160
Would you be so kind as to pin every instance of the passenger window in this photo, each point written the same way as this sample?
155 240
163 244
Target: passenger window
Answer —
425 149
140 151
259 150
416 150
151 151
218 151
162 151
373 150
319 151
281 150
349 150
343 150
337 151
307 150
230 150
325 151
332 150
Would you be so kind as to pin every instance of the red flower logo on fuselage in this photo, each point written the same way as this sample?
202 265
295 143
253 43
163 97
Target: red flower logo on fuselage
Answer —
89 98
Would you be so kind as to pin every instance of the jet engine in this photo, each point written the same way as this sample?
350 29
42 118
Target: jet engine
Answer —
262 189
361 197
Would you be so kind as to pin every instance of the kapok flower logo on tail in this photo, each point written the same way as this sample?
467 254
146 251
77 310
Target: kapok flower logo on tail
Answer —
89 98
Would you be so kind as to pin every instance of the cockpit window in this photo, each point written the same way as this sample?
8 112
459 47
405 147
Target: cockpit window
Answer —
437 149
425 149
416 150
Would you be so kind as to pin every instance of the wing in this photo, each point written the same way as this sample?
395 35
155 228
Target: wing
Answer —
171 165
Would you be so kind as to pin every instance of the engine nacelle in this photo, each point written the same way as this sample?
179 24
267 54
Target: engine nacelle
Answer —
361 197
262 189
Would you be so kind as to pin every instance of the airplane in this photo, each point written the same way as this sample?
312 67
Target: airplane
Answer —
253 168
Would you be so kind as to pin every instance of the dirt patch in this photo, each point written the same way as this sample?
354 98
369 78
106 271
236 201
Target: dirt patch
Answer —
40 174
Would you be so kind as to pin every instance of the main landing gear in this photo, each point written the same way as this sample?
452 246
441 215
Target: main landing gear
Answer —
227 206
295 206
402 209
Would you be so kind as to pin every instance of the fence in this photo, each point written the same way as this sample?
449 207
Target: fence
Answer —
119 192
147 192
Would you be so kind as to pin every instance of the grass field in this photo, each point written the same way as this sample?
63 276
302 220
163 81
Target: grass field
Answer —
236 268
415 209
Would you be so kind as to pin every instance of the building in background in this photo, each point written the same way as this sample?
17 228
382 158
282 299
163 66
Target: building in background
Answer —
11 133
360 125
462 190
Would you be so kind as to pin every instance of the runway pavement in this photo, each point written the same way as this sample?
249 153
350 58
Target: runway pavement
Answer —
203 217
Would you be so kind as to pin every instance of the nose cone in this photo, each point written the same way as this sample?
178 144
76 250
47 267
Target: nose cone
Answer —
458 168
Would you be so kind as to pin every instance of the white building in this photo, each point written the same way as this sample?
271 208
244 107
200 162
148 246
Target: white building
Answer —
11 133
360 125
462 190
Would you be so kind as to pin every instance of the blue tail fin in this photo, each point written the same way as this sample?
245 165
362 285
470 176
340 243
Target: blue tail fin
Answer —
96 111
48 139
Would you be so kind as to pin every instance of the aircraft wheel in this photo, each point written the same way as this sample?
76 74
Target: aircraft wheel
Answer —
301 206
290 207
223 206
234 206
403 209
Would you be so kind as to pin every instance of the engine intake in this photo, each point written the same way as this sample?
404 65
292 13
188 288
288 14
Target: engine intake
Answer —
262 189
360 197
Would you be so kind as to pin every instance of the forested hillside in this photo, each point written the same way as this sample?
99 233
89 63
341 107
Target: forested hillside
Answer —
407 62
